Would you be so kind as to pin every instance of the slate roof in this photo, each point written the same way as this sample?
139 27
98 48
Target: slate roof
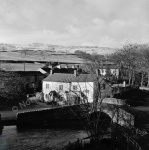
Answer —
61 77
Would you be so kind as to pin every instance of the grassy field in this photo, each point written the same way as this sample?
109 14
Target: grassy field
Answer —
39 56
33 56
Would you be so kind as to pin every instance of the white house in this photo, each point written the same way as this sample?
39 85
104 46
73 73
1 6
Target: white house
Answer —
65 83
113 71
110 67
79 84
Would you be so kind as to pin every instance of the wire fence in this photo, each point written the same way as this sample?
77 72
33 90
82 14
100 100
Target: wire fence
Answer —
127 142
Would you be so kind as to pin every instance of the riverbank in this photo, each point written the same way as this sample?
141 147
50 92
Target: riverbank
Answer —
43 138
54 138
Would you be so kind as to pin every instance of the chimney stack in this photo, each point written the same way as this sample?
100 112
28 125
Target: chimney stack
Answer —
97 72
51 71
75 73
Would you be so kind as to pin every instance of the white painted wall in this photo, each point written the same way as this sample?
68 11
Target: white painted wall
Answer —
81 86
103 72
113 72
53 86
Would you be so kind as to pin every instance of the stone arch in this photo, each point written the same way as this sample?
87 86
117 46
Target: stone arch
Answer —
103 122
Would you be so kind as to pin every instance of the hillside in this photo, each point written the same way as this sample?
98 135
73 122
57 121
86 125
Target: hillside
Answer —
55 48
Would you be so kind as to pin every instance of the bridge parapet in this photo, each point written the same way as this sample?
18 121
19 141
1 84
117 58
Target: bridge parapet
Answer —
119 115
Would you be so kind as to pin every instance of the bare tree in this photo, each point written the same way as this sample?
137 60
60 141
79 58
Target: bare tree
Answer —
131 59
90 114
145 59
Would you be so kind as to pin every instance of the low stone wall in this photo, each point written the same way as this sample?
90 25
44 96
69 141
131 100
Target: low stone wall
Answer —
56 117
113 101
124 118
144 88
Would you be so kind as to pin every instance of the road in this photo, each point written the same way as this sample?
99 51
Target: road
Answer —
11 114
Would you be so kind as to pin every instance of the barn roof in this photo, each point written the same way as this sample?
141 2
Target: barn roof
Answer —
62 77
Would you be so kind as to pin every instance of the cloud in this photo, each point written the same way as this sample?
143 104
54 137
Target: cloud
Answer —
74 22
73 30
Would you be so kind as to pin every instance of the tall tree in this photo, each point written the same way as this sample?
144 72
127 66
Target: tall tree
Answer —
145 59
129 57
12 87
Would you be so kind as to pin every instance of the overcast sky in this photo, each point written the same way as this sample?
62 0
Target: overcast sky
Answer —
108 23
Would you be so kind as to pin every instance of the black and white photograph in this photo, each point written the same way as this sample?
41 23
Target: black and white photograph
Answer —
74 75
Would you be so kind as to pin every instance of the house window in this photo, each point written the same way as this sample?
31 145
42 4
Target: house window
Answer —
47 86
60 87
75 87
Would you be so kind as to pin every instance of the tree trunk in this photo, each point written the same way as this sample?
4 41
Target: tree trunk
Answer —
133 78
129 77
148 80
142 79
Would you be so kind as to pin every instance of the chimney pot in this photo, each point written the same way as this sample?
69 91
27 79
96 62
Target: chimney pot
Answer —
97 72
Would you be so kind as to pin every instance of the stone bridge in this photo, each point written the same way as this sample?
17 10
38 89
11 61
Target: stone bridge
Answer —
118 115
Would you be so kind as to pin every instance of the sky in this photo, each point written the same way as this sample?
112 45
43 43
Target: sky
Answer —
104 23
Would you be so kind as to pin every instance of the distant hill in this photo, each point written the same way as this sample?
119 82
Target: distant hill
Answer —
55 48
7 47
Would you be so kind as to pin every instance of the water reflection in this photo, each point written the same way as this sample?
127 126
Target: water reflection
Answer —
28 139
12 138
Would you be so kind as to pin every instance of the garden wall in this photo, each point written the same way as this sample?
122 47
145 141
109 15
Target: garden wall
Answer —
56 117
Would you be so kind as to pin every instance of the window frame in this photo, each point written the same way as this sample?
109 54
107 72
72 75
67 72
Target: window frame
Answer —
61 87
47 86
75 87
